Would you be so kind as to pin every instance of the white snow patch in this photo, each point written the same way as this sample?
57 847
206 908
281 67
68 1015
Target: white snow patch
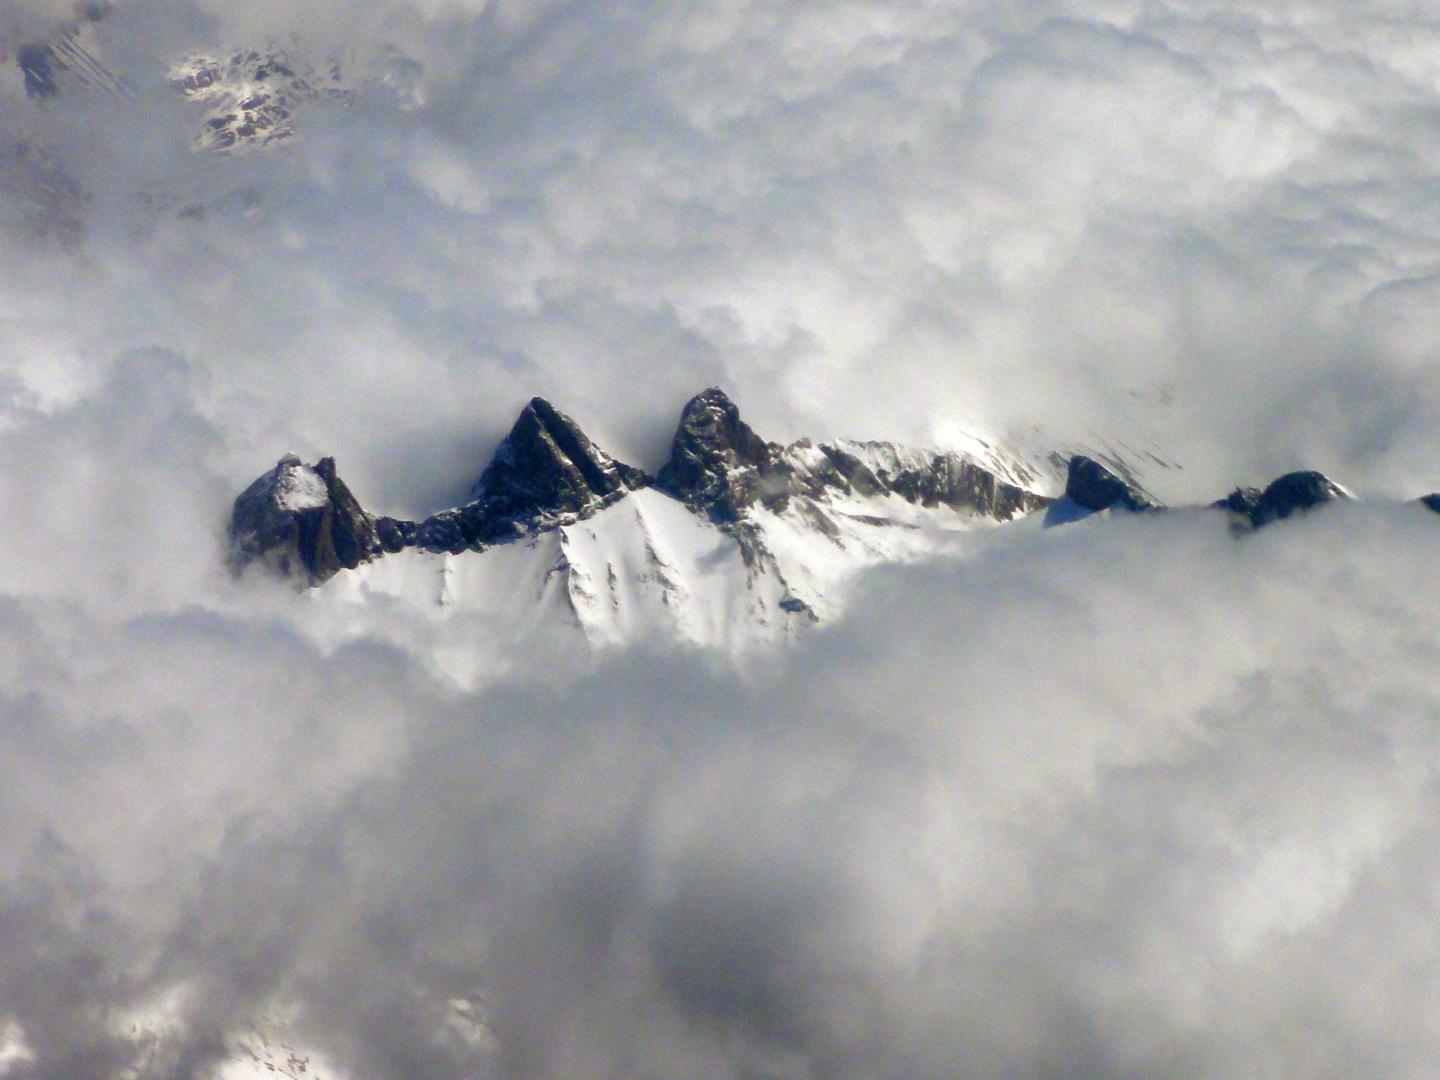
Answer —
271 1050
300 487
472 614
645 568
986 452
648 566
820 548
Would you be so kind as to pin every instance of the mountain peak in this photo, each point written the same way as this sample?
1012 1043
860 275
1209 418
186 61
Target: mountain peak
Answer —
714 456
301 520
1092 486
1285 495
544 472
546 464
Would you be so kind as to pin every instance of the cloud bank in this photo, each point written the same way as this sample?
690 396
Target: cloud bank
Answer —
1200 227
1131 798
1139 798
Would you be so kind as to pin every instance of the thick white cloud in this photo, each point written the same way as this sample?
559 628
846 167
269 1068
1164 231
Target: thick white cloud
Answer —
1192 223
1134 798
1131 798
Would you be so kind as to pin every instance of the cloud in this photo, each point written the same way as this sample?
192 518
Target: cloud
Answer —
1134 797
1184 223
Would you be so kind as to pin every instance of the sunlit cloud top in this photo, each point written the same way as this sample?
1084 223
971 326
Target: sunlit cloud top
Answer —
1142 795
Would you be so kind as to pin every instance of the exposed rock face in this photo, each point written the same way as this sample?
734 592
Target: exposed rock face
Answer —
67 57
1243 501
1285 495
1094 487
923 477
547 465
544 473
250 96
37 65
302 521
719 466
1432 501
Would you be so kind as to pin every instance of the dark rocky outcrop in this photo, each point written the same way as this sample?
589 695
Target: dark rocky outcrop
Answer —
1285 495
302 521
1092 486
547 465
39 69
1243 502
545 473
720 467
43 63
1431 501
717 464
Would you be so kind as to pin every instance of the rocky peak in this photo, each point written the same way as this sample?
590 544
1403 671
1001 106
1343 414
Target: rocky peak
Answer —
548 465
302 521
1285 495
250 96
544 473
1092 486
717 463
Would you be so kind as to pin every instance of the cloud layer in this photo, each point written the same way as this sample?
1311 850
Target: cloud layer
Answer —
1137 798
1201 228
1130 798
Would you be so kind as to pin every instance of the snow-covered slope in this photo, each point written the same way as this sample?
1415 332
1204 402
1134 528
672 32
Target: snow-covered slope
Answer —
645 568
737 543
250 96
649 566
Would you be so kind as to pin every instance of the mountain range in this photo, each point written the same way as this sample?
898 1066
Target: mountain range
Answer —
735 539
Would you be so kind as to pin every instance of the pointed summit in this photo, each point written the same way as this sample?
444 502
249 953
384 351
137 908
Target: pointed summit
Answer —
547 465
1092 486
716 462
544 473
301 520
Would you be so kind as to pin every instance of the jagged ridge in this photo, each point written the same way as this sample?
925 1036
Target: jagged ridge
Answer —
719 466
303 521
547 473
